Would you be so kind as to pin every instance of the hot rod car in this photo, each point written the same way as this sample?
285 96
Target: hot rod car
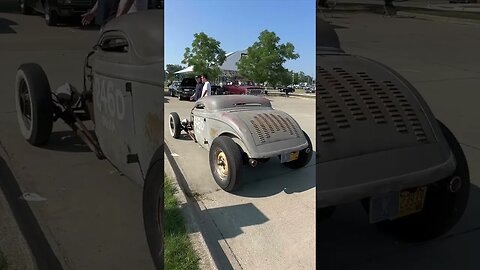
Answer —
378 142
241 129
123 96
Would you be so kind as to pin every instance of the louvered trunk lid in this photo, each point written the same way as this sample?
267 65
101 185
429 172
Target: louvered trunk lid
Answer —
364 108
269 126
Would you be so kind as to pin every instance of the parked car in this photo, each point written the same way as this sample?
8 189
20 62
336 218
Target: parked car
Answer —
242 88
55 10
242 129
123 96
310 89
218 90
287 90
185 89
172 88
380 144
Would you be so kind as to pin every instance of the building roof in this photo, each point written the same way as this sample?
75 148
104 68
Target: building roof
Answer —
230 63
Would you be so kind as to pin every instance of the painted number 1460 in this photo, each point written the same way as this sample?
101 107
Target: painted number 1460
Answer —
109 100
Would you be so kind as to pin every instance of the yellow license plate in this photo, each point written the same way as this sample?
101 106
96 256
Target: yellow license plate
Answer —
411 202
289 157
294 156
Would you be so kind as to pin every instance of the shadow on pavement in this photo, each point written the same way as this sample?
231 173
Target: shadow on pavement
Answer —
5 26
233 218
348 241
272 178
66 141
29 226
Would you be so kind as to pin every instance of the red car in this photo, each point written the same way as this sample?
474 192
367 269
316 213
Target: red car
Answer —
242 88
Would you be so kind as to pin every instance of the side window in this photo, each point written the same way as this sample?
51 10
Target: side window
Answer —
114 44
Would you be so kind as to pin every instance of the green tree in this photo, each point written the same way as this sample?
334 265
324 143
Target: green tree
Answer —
265 58
171 69
205 56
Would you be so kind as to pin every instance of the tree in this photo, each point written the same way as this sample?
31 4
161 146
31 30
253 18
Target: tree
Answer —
205 56
171 69
264 59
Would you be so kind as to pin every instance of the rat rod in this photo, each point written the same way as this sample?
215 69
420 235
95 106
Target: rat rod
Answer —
240 129
378 142
123 97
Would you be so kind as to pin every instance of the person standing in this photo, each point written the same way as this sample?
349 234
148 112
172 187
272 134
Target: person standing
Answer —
198 89
131 6
103 11
207 89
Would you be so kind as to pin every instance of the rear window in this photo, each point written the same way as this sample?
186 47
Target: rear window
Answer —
189 82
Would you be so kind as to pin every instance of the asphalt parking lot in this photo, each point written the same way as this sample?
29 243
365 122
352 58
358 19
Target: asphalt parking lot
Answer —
270 222
90 215
441 60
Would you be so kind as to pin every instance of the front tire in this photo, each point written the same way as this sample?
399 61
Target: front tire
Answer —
34 104
304 156
153 208
443 207
175 125
225 163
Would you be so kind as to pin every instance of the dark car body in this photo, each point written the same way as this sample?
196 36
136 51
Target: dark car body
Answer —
186 88
287 90
54 9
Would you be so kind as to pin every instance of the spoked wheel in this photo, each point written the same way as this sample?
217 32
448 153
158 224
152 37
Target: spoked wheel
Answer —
51 17
34 106
445 201
304 156
225 163
153 206
174 125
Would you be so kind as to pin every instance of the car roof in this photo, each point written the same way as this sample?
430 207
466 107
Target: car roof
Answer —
222 102
144 29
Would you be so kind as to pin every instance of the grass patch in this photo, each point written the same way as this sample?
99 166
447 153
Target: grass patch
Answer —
179 253
3 262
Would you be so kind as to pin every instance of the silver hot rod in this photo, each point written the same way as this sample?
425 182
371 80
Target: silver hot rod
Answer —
242 129
379 143
122 97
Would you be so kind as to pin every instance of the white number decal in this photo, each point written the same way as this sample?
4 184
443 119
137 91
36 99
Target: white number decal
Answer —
198 124
109 100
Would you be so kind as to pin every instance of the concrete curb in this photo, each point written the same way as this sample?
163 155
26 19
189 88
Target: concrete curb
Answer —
439 18
12 242
199 244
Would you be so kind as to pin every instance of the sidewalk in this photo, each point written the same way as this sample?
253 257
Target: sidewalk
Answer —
438 5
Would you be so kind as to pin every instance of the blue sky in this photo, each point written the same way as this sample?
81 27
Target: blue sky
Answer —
237 24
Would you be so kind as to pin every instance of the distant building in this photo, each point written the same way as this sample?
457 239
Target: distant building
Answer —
229 67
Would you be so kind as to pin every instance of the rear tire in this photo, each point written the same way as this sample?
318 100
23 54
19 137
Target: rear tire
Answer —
153 208
225 163
175 125
304 156
442 208
34 106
